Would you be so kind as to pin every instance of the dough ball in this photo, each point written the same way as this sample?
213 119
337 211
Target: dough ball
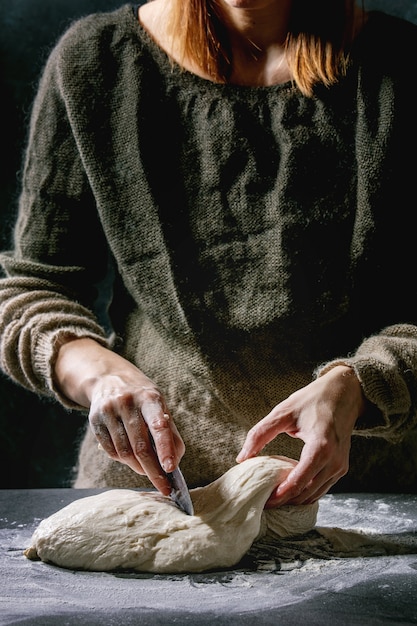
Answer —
144 531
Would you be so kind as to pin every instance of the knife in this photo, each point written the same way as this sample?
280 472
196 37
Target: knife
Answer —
179 490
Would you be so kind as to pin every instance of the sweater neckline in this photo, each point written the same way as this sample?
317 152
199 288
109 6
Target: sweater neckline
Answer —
189 78
170 66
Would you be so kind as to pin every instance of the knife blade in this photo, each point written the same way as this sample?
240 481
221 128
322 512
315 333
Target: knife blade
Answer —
179 490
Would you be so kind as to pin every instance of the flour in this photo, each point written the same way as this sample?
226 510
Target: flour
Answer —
144 531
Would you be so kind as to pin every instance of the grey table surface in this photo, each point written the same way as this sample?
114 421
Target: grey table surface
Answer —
359 566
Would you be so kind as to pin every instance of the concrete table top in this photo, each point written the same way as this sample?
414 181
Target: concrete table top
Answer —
358 567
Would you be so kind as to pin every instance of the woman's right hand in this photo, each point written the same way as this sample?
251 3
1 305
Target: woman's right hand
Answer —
126 409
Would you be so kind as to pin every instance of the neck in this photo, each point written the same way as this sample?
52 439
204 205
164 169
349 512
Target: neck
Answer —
263 25
257 38
257 30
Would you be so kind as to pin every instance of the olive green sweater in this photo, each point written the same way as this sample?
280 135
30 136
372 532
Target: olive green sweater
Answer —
232 241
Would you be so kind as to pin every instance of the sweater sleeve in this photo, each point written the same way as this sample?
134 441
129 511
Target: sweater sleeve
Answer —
386 366
59 254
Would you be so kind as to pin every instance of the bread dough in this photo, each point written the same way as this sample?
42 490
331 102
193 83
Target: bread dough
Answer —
145 531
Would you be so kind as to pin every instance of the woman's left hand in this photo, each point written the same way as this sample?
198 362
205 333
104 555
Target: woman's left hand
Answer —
323 415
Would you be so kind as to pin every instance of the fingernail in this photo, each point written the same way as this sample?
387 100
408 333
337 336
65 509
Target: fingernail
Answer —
168 465
242 456
272 503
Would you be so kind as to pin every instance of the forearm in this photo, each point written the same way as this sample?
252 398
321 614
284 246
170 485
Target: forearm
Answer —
34 320
124 407
82 362
386 365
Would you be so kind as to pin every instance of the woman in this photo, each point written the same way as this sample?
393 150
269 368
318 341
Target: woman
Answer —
237 171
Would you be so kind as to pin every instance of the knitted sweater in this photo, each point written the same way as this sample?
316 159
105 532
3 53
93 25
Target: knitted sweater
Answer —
236 241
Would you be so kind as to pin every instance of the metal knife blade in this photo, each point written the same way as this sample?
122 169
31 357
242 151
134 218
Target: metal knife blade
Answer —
179 490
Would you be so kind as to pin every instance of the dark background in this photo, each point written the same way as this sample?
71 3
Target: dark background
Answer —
38 438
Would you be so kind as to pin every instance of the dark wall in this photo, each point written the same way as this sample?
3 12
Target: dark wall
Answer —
38 438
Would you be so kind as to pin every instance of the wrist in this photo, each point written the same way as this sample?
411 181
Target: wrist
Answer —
352 387
80 362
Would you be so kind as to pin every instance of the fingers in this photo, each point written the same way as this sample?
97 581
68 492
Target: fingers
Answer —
279 420
113 439
322 414
309 495
123 431
139 454
308 481
168 442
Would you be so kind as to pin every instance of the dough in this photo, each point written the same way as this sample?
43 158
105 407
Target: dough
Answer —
145 531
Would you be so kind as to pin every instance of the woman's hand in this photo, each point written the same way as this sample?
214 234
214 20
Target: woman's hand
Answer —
125 409
323 415
124 412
